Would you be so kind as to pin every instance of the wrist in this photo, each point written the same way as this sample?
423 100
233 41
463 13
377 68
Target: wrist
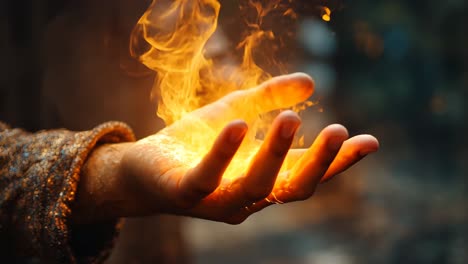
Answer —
100 194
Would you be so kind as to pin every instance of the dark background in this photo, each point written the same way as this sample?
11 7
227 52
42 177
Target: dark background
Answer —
397 70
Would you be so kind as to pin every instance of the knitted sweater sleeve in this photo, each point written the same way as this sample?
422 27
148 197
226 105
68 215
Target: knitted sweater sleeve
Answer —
39 174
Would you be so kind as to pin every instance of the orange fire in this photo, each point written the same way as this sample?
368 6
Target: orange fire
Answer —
176 33
326 14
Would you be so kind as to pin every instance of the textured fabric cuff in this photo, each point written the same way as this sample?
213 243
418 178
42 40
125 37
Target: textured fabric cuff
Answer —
39 175
89 243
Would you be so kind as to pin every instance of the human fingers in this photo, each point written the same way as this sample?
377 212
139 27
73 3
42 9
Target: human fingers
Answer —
310 168
293 156
279 92
206 176
262 171
352 151
261 175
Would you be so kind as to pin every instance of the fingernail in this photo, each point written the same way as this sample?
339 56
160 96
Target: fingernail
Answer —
288 130
335 143
237 135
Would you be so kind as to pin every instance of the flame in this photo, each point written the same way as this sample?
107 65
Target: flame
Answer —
326 14
175 34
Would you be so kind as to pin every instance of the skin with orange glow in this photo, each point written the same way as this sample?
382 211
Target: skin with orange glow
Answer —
146 177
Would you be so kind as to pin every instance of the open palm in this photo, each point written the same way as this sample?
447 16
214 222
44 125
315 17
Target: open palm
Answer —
167 175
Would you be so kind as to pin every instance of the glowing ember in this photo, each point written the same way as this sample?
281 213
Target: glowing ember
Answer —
326 14
177 32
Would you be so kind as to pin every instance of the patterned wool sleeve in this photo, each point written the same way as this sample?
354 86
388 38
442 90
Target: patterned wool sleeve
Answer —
39 174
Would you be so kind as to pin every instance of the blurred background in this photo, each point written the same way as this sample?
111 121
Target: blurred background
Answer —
395 69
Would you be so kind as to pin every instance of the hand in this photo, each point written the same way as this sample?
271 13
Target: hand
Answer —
153 175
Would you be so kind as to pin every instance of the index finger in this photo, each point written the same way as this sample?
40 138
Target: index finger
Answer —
279 92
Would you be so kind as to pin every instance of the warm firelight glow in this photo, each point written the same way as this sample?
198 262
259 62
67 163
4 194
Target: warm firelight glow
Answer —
177 32
326 16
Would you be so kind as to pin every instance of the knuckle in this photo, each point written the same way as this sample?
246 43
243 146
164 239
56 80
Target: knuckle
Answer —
267 88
